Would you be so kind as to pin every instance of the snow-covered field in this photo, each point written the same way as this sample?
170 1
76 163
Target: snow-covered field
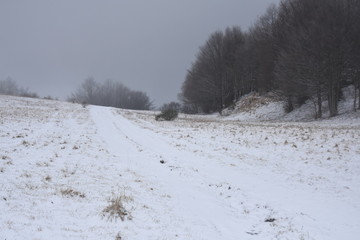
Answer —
62 168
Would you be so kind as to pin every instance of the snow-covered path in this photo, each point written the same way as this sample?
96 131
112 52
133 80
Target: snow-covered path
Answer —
193 178
185 208
214 199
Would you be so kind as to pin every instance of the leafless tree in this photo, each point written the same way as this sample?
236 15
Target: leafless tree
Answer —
312 48
10 87
353 48
213 81
110 93
303 49
263 35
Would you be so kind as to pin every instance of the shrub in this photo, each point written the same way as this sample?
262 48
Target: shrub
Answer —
168 114
116 209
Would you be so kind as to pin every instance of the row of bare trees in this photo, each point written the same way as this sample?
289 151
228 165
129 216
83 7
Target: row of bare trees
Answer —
303 49
10 87
318 50
217 77
110 93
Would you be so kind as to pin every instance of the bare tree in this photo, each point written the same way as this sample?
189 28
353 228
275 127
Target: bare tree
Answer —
263 35
86 92
353 48
9 87
304 49
213 81
110 93
311 49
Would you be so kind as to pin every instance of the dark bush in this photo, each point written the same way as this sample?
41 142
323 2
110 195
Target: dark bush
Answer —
168 114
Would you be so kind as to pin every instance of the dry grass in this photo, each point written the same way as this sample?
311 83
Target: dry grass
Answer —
68 172
72 193
47 178
118 237
42 164
116 209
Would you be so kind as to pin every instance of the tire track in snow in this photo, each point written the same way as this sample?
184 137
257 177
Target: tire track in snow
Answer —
187 201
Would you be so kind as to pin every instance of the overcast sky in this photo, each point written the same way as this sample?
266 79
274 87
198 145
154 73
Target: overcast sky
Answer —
51 46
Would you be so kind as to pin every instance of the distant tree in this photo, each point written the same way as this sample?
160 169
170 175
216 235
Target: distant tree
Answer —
262 40
110 93
352 54
311 50
189 108
172 105
233 51
25 92
10 87
87 92
139 100
213 81
303 49
296 68
244 67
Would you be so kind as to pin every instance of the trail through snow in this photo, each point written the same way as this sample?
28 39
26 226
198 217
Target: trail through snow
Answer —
187 181
189 211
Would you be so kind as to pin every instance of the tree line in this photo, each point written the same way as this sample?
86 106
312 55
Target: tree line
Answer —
110 93
107 93
301 49
10 87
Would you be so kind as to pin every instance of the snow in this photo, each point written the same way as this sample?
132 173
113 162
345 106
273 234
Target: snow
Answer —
255 108
198 177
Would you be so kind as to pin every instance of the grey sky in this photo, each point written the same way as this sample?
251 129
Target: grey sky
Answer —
51 46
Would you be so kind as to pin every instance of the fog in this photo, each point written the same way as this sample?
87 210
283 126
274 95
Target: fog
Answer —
52 46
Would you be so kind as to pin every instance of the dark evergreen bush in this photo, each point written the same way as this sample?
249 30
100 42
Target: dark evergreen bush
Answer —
168 114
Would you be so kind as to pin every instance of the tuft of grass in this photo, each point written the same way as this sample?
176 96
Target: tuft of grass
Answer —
116 209
42 164
67 172
26 175
246 211
118 237
72 193
270 220
9 163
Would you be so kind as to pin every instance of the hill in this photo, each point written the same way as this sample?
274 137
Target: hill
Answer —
269 107
69 172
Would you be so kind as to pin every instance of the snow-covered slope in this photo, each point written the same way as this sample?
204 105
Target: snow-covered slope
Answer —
61 165
253 107
269 107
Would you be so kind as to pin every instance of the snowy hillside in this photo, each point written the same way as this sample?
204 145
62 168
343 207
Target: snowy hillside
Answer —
269 107
68 172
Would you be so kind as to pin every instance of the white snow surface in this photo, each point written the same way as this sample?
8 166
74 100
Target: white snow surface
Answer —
253 107
192 178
